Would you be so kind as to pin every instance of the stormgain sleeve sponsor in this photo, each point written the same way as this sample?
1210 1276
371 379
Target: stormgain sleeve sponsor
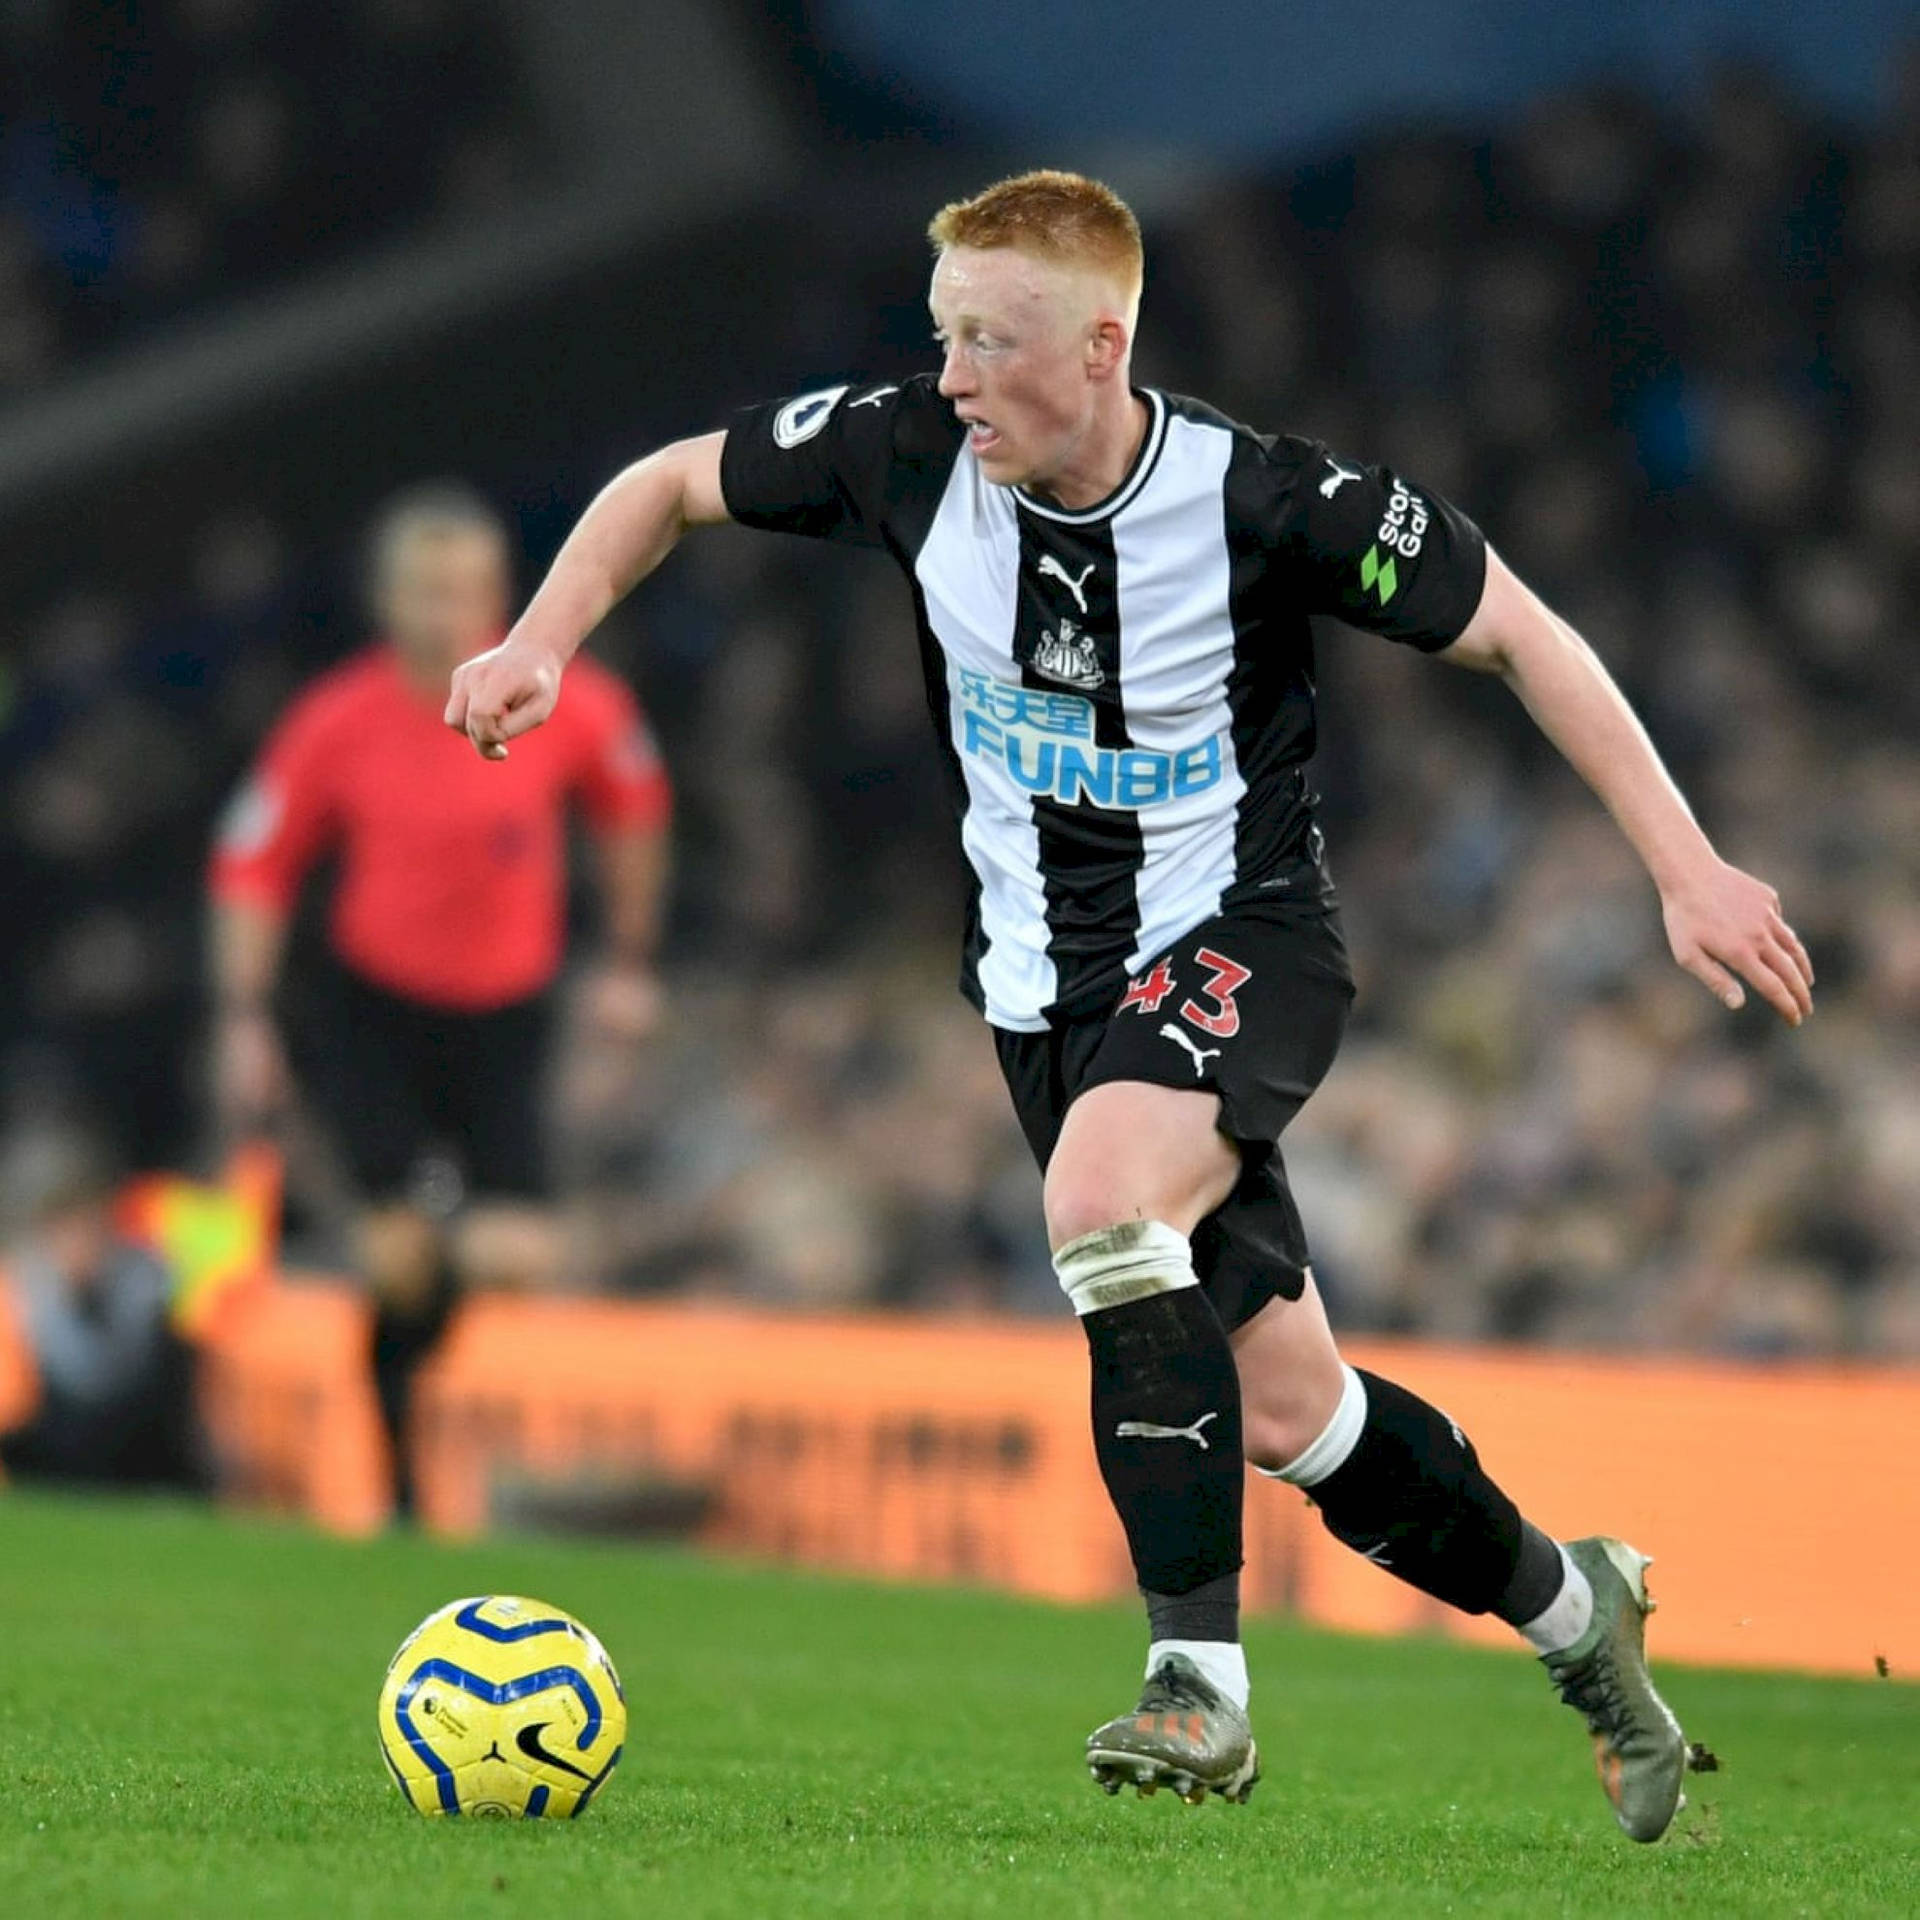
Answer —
1046 743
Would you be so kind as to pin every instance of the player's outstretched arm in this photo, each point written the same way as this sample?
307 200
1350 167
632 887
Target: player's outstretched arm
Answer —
635 521
1720 921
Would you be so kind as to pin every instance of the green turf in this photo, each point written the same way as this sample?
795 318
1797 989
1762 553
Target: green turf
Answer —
186 1727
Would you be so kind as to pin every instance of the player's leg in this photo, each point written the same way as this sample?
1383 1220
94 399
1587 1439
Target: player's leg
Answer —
1135 1169
1231 1028
1398 1481
1259 1005
1394 1478
1148 1153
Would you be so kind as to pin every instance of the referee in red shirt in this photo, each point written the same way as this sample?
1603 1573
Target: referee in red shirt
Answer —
446 928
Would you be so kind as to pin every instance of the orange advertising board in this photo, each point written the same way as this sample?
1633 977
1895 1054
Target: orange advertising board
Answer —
1782 1503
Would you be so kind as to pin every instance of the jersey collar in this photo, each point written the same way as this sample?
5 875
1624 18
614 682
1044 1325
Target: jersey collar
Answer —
1137 475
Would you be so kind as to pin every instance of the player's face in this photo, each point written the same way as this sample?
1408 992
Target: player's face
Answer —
1016 332
444 596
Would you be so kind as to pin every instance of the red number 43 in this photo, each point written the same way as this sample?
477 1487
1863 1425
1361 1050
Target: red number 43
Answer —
1226 978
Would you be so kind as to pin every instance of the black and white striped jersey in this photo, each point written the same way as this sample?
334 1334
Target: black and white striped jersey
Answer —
1124 694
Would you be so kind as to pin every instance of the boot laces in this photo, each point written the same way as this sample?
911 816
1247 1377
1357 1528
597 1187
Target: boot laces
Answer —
1171 1689
1592 1686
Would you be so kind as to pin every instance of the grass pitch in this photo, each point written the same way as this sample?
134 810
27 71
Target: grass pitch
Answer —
186 1727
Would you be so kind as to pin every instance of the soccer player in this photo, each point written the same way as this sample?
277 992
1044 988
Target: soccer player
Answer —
1112 587
446 931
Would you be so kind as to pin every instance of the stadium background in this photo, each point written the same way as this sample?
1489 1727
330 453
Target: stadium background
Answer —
1639 291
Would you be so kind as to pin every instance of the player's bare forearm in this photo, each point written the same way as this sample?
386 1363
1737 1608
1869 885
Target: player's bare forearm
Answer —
1573 700
1720 921
633 524
635 521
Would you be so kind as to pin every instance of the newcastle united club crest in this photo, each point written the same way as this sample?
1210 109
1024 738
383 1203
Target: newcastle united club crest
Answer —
1066 654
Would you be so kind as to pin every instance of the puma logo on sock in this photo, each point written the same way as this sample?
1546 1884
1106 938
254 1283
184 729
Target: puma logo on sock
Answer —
1152 1430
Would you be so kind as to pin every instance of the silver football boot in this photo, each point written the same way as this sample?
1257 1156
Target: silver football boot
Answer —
1184 1734
1638 1748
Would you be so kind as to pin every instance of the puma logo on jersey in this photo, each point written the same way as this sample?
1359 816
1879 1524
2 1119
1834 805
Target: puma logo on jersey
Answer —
1337 477
872 399
1152 1430
1067 656
1201 1055
1049 565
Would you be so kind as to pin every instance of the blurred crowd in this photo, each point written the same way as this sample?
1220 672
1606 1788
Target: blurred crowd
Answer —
156 158
1671 362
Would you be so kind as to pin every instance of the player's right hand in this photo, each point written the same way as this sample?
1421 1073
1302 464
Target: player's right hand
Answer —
506 691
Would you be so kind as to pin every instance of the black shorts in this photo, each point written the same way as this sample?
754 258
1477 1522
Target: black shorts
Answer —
408 1091
1249 1006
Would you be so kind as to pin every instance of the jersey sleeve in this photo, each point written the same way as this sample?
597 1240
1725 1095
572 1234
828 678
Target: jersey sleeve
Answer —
819 464
618 775
1380 551
283 815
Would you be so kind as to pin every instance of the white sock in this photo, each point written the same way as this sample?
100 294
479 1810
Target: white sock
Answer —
1570 1615
1330 1451
1224 1662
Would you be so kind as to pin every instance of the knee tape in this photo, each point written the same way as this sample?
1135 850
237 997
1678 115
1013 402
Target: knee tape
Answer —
1130 1261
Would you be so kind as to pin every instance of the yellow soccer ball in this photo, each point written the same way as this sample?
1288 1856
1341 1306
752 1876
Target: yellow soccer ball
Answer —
501 1709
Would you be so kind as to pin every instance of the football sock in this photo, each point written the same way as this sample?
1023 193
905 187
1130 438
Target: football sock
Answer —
1224 1662
1208 1612
1166 1403
1540 1572
1403 1486
402 1339
1557 1625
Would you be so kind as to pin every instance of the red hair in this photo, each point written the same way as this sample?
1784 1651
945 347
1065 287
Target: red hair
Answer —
1062 217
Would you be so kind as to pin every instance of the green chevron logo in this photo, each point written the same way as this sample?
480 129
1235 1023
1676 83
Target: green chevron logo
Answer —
1374 575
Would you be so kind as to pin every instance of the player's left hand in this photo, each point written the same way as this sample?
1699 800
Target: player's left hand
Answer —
1722 922
508 690
625 1001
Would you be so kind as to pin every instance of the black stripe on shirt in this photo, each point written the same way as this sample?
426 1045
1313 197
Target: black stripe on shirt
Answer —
1067 640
